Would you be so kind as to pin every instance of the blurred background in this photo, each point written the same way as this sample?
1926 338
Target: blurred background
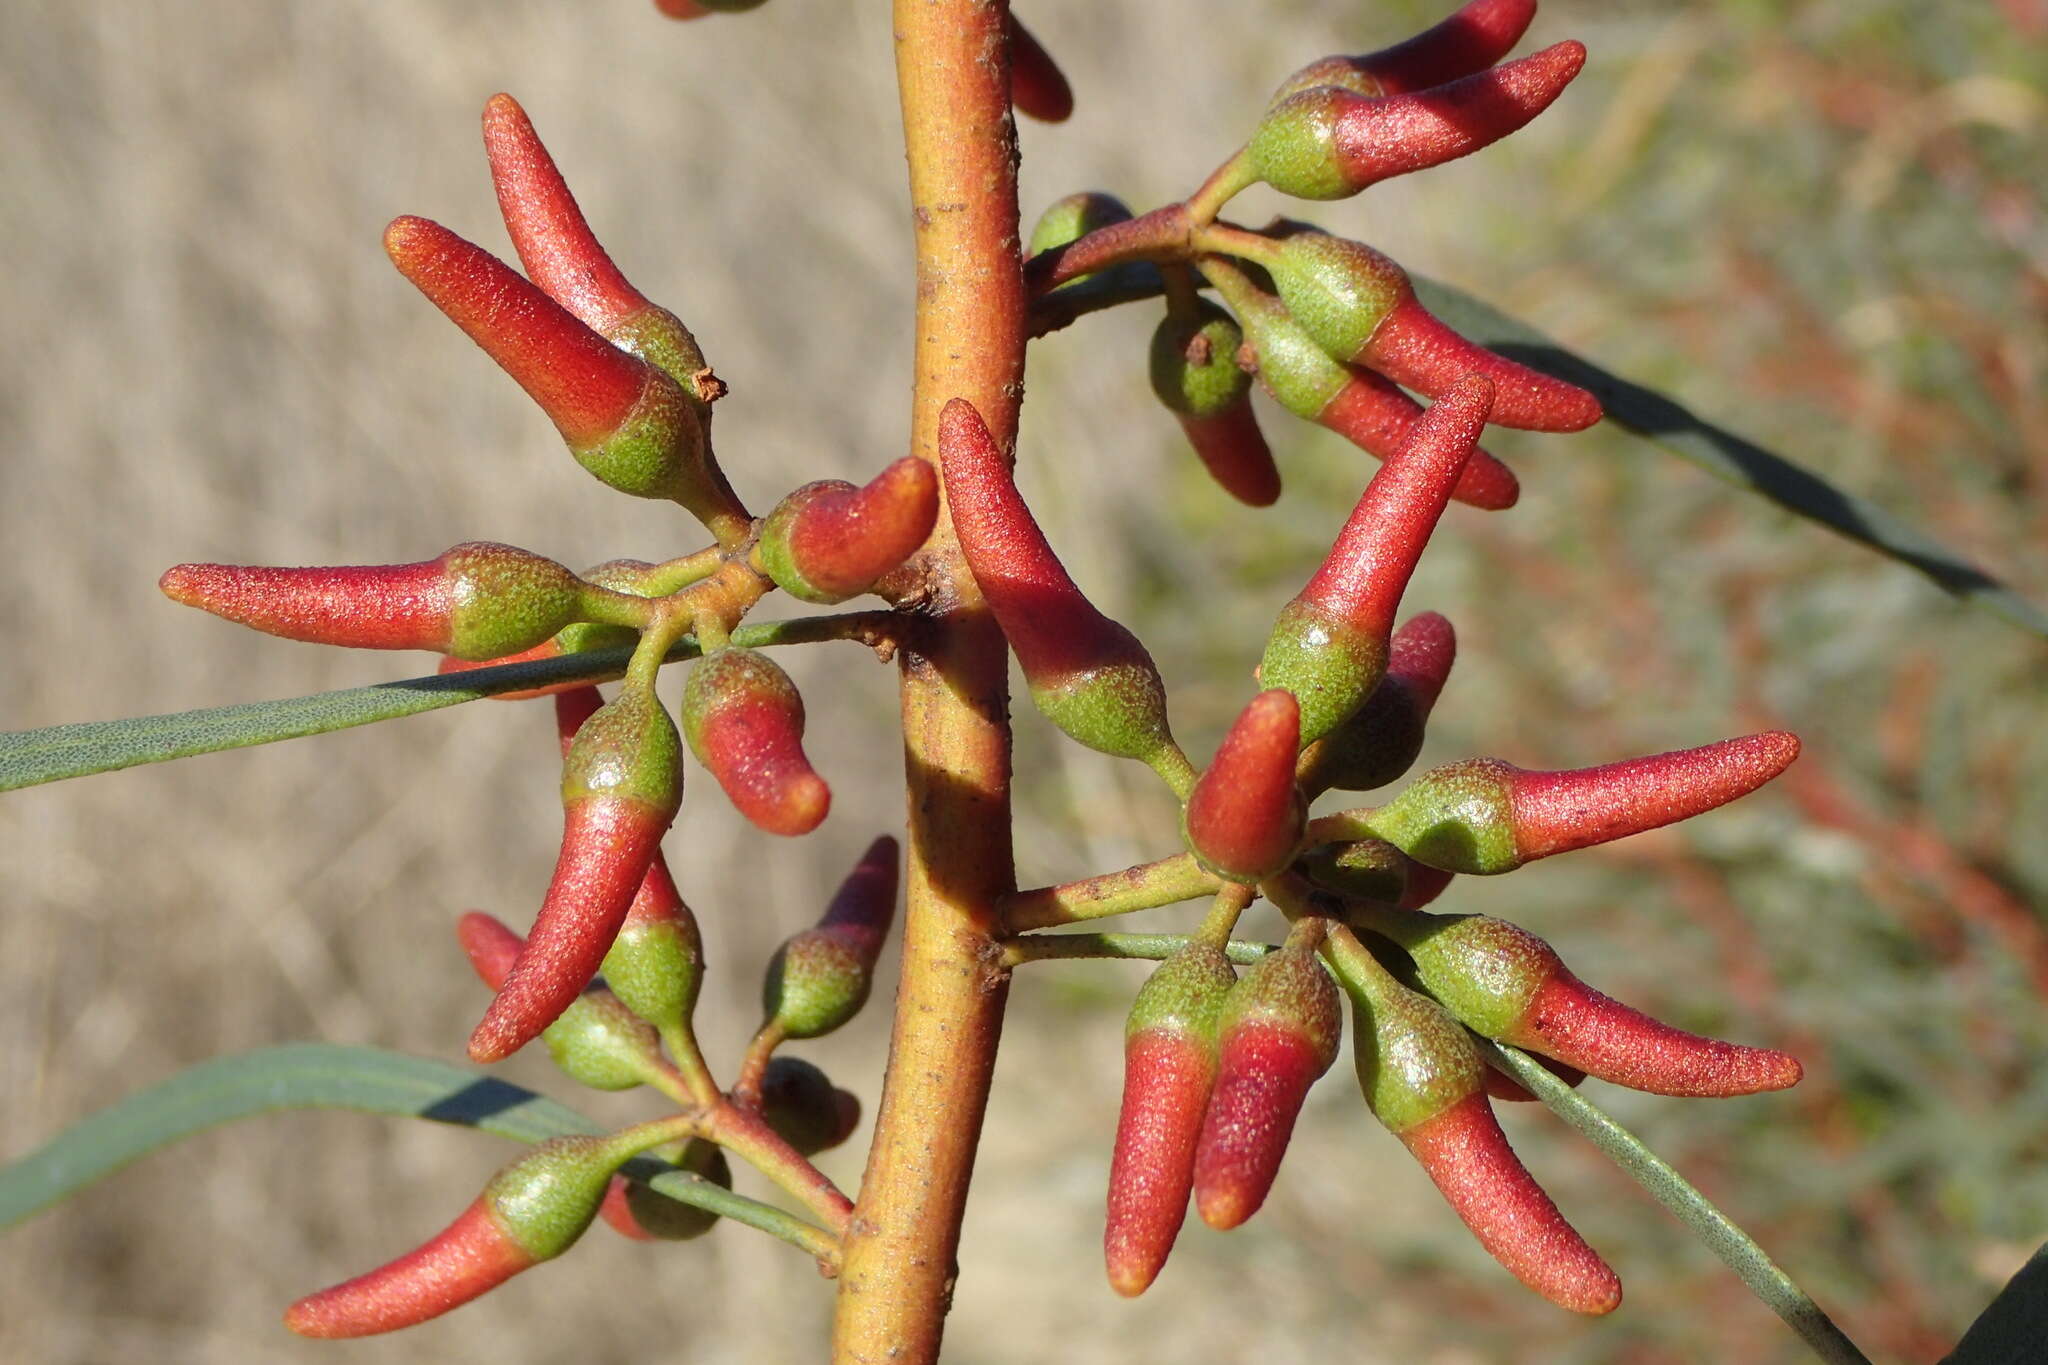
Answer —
1821 224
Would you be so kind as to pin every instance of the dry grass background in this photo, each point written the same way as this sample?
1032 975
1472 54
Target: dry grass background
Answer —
1822 222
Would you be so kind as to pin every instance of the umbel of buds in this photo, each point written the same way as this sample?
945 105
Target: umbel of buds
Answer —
1484 816
1245 816
1169 1067
829 541
744 721
820 978
532 1211
1503 981
1331 643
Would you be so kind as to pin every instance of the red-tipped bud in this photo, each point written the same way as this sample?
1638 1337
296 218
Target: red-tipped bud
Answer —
1484 816
820 978
1329 142
1089 675
1331 644
656 964
1424 1081
627 422
532 1211
1245 815
597 1041
563 256
1277 1035
1169 1067
1471 40
829 541
745 722
803 1106
1072 218
1037 86
621 786
1374 870
1381 741
1195 372
646 1215
1359 306
1366 410
477 601
1506 983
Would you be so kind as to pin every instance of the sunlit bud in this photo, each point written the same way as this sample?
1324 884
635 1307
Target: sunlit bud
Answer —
829 541
744 721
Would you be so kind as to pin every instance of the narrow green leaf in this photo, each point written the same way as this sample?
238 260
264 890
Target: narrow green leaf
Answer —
1667 424
2013 1329
1720 1233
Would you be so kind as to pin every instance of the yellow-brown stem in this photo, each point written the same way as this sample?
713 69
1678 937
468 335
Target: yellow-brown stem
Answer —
897 1276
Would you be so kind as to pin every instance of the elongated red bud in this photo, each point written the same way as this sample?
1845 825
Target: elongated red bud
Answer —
1089 675
820 978
1470 40
1245 815
1331 644
829 541
1194 371
1169 1067
1359 306
1037 86
1329 142
1424 1081
477 601
564 257
803 1106
1505 982
646 1215
744 721
531 1211
1277 1035
1370 412
622 784
1484 816
1380 743
1374 870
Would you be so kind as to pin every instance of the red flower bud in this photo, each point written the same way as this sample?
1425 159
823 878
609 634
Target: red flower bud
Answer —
1381 741
656 964
1331 644
1169 1066
1370 412
829 541
1508 984
1374 870
1484 816
1245 815
820 978
1470 40
1277 1035
1037 86
804 1108
477 601
1359 306
1425 1082
646 1215
621 787
531 1211
1195 372
745 722
1089 675
1072 218
1329 142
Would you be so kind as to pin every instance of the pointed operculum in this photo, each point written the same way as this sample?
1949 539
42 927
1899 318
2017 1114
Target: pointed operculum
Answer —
1467 1156
1169 1067
1380 742
1037 86
532 1211
1244 817
1373 414
1331 644
1570 1021
1234 451
1331 141
829 541
1470 40
1416 348
820 978
1560 811
744 721
621 787
1277 1035
1088 674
